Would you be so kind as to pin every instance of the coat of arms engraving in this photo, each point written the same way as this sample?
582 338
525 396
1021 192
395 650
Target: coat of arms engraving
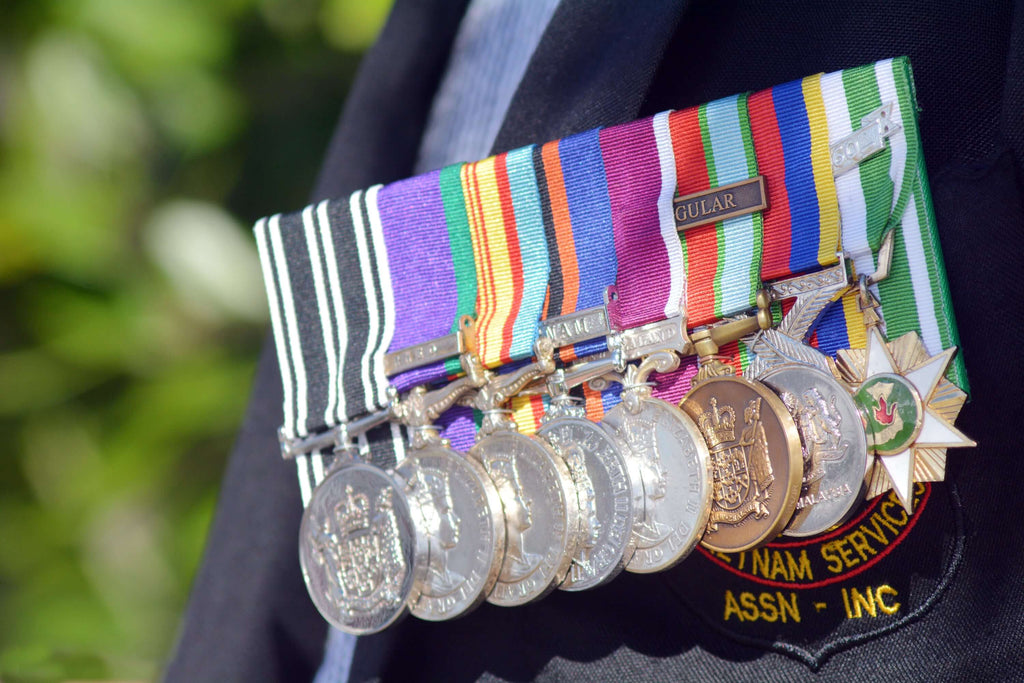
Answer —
357 543
742 471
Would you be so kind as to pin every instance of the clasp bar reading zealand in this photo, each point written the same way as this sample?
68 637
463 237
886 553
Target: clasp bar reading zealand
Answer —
720 203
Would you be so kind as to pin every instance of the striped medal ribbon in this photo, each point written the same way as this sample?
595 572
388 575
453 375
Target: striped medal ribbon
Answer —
334 307
333 315
333 312
780 134
581 252
430 251
506 204
606 474
455 505
888 191
537 492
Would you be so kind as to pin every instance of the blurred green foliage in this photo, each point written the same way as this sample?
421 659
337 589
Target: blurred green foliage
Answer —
138 140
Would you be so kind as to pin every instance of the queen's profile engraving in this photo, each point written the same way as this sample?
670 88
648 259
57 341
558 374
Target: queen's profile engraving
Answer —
431 491
504 471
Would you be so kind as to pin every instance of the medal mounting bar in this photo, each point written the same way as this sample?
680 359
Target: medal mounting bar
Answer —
665 335
835 277
433 350
336 438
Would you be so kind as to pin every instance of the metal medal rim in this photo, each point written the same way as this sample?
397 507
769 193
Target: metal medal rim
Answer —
858 494
417 566
497 528
619 449
565 488
792 436
704 462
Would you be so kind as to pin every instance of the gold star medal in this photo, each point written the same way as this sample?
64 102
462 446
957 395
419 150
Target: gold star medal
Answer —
907 405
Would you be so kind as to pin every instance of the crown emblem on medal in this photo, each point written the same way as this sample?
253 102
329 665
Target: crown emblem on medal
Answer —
575 459
353 513
718 425
502 468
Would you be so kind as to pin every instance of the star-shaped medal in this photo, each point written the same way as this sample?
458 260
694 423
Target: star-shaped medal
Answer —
908 408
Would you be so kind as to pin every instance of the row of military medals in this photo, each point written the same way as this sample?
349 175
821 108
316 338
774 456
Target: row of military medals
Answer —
789 448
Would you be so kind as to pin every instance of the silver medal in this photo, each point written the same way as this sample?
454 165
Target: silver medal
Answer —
832 434
675 468
459 511
359 550
536 490
459 514
834 446
541 515
607 491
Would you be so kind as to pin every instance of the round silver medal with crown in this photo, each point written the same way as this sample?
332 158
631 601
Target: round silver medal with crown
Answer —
541 515
359 549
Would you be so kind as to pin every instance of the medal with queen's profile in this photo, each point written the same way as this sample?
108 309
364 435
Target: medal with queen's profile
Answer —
541 515
672 458
359 549
536 490
458 512
608 490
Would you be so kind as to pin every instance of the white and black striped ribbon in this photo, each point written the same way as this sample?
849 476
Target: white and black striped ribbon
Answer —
333 316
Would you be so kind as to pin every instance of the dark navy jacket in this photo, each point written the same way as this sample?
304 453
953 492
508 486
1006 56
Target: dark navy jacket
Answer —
960 571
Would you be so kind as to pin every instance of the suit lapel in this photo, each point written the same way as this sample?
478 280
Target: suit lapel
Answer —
378 136
592 68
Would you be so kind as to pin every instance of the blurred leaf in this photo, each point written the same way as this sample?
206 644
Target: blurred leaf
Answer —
150 36
289 16
353 26
197 110
31 380
211 263
80 112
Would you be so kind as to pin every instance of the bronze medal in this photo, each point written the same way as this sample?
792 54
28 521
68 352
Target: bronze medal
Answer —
757 464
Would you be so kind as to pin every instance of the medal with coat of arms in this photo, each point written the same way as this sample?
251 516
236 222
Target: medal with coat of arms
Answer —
907 405
756 461
756 456
359 549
